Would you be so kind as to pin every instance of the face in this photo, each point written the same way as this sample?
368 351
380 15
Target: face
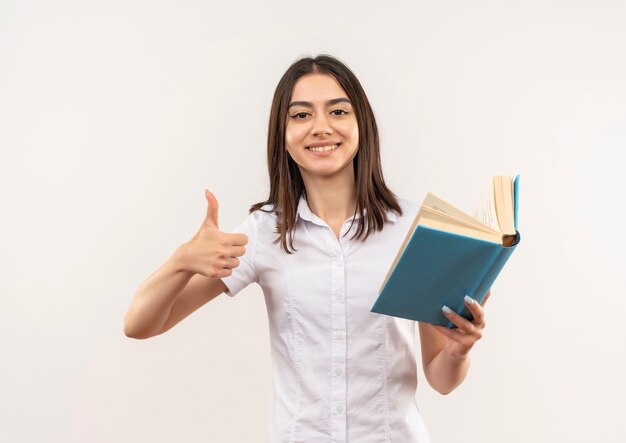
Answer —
320 117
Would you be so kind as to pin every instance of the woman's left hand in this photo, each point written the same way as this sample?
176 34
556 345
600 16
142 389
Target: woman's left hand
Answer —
460 341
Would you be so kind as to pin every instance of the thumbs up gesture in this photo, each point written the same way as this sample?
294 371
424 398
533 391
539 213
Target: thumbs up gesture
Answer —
211 252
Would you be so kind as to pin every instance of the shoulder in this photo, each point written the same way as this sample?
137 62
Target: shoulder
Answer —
408 204
266 214
410 208
263 220
261 215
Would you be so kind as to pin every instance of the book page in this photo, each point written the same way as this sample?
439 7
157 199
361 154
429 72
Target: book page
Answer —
455 215
486 209
439 221
505 206
440 205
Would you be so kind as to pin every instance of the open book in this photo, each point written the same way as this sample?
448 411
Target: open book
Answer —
447 254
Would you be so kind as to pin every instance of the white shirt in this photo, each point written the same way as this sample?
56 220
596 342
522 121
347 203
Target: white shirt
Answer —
340 373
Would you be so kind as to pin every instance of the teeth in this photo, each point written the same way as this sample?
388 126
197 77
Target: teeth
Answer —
323 148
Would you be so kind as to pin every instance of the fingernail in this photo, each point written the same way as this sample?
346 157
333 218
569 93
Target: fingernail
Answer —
446 310
469 300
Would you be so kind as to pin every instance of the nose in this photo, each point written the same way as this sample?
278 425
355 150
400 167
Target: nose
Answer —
321 125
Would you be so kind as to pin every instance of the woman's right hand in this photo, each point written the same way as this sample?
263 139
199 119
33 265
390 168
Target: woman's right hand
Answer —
211 252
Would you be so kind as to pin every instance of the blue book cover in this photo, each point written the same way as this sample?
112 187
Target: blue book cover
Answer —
439 268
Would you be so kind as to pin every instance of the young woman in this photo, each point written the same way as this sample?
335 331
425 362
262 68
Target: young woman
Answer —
339 372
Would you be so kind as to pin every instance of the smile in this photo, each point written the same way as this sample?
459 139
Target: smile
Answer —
323 148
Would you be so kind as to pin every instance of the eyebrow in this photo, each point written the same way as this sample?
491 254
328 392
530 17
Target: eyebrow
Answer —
328 103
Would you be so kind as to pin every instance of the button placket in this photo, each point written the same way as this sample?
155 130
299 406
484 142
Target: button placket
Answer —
338 343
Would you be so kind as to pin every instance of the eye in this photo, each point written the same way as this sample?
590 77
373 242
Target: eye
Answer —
299 115
339 110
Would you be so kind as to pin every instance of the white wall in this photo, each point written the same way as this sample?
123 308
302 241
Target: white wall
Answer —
114 116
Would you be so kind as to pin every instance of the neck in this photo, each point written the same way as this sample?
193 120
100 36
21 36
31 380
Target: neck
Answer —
332 198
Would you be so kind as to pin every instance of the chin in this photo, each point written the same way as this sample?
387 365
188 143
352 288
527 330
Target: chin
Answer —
327 172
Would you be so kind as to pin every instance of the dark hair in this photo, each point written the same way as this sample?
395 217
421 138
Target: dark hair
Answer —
373 197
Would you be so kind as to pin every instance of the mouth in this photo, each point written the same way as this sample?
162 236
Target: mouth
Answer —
323 148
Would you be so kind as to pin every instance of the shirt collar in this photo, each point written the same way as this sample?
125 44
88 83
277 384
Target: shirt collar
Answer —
305 213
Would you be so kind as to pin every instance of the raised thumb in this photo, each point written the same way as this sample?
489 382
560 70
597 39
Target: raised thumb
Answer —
211 210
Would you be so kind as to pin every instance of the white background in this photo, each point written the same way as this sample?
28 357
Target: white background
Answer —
114 117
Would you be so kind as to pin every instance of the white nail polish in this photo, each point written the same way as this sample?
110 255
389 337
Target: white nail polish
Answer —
469 299
446 310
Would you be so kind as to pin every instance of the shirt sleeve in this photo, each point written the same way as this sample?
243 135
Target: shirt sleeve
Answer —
245 273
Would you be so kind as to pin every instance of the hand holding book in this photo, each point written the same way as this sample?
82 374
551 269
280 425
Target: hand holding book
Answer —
468 332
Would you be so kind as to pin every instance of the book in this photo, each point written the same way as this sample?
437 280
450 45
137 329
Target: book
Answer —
448 253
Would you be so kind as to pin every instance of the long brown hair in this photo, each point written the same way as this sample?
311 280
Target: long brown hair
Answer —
373 197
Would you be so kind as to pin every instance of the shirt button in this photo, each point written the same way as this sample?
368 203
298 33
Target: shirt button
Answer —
338 296
338 335
340 409
338 371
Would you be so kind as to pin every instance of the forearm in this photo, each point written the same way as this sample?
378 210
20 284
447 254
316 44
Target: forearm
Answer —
445 373
153 300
